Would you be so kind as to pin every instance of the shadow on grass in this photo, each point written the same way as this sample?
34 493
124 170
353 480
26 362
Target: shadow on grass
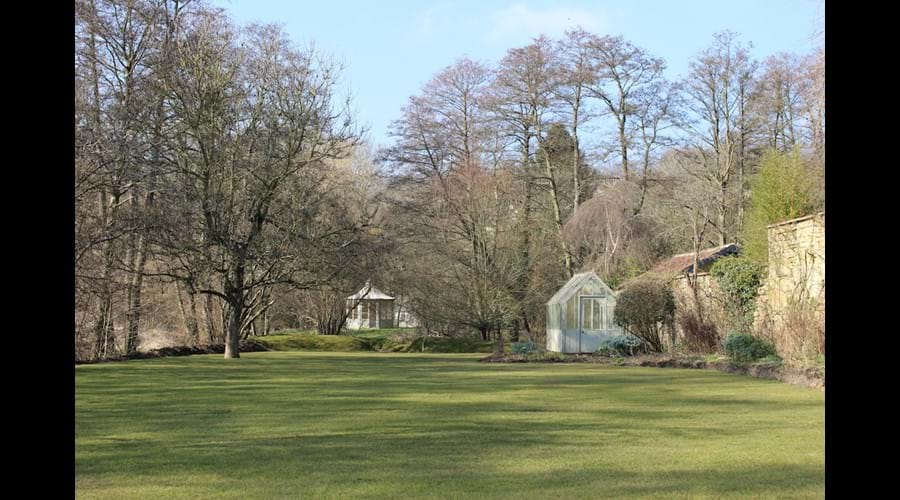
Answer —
278 424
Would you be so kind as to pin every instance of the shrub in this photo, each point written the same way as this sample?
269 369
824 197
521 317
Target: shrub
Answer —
524 347
739 279
744 347
699 336
645 308
620 345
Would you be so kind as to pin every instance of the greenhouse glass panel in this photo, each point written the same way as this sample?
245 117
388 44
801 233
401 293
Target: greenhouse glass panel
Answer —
586 314
572 313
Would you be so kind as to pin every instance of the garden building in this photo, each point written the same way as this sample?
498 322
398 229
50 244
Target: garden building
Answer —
580 314
370 308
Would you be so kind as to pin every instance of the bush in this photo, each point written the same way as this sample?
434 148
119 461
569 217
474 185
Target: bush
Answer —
739 279
744 347
645 309
620 345
524 347
699 336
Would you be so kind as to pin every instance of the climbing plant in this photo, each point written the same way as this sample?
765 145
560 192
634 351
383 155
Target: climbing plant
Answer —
739 279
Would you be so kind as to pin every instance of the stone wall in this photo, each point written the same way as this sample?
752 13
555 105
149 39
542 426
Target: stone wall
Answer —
708 295
797 262
791 305
791 308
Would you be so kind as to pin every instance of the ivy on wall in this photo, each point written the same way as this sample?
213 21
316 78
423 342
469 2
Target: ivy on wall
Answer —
739 279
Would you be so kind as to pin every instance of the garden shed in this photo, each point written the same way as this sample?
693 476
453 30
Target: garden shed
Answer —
580 314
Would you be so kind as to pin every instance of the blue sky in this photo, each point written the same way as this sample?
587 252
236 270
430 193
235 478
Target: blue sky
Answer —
391 48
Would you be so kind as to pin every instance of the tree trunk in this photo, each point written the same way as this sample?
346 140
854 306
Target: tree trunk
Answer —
233 335
211 334
193 327
103 327
188 314
498 347
525 242
134 296
557 214
623 143
526 327
576 195
234 290
723 215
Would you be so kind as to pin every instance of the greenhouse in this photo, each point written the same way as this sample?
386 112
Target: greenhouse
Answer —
580 314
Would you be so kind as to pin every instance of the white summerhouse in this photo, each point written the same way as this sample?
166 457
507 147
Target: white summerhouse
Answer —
580 314
370 308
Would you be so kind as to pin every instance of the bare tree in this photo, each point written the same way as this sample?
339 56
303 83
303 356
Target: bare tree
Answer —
623 72
717 92
255 130
577 75
812 105
450 205
119 49
523 102
656 111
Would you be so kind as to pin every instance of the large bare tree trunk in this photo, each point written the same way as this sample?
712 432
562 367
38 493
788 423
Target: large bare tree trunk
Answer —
233 334
234 290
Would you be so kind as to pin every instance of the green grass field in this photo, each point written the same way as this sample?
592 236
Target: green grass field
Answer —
341 425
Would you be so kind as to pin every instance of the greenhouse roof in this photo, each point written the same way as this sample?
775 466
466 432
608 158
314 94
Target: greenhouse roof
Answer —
573 285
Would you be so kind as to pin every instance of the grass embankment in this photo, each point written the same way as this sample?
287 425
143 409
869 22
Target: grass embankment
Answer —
382 340
348 425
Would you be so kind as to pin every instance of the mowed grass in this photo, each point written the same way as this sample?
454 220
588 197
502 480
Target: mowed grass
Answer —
365 425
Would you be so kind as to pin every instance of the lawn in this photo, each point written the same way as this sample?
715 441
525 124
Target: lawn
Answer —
340 425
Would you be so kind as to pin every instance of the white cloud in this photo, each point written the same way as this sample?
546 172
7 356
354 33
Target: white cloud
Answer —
519 21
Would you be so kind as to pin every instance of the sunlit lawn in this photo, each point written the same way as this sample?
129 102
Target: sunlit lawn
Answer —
314 425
